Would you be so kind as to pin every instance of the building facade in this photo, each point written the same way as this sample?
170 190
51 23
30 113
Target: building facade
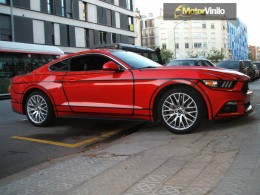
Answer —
197 37
238 40
72 25
252 50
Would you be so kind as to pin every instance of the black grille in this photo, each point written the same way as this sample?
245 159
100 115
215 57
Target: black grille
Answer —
245 88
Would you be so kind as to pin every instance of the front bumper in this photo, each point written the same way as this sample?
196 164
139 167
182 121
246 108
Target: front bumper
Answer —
238 107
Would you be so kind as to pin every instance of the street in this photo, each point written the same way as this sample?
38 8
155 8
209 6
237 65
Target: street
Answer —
24 145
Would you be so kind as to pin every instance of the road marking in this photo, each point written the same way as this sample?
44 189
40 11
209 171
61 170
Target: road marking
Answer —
88 141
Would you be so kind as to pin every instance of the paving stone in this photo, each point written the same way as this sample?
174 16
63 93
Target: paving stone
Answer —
196 191
184 177
169 190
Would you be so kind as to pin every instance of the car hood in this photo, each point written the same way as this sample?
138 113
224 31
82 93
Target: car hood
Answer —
196 73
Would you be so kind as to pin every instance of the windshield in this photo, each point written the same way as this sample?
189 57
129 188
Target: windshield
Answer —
229 64
247 63
134 60
181 63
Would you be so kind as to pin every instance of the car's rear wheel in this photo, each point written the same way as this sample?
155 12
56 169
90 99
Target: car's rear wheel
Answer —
39 109
181 110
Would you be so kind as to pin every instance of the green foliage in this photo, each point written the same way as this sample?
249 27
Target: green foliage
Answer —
192 54
250 57
166 55
213 55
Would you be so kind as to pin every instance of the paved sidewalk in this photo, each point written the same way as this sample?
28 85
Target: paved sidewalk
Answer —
219 159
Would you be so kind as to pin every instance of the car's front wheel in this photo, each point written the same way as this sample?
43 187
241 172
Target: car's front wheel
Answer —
181 110
39 109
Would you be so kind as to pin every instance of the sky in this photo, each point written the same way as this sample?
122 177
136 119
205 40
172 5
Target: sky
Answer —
247 12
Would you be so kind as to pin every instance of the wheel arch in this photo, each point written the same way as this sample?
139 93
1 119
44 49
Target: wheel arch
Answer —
33 89
170 85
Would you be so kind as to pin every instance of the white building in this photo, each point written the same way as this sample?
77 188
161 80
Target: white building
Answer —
187 37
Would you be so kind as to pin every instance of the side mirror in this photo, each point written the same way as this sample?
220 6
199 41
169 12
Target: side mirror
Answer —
110 65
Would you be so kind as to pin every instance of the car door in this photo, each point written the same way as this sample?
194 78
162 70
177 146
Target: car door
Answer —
90 89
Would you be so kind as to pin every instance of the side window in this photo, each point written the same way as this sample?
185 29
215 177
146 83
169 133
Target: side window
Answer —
88 62
207 63
200 63
60 66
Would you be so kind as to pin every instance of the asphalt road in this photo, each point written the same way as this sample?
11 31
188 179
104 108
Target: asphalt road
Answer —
23 145
33 145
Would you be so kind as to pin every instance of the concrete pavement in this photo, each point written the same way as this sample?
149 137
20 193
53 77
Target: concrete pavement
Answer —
220 158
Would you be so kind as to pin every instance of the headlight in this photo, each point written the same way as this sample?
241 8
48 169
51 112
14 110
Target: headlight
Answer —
219 84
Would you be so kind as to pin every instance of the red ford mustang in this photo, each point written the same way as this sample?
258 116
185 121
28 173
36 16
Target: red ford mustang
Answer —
120 84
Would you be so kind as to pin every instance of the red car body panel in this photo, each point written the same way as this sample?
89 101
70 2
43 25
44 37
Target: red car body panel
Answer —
131 93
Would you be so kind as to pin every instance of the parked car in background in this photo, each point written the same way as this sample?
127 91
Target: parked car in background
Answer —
121 84
250 69
190 62
237 65
257 63
152 54
256 71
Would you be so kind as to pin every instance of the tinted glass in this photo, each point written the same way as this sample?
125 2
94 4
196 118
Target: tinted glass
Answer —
134 60
229 64
257 65
247 63
181 63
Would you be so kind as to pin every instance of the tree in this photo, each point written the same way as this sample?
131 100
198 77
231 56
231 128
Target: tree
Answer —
166 55
215 55
192 54
250 57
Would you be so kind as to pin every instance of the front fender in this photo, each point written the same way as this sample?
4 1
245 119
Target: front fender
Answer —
176 83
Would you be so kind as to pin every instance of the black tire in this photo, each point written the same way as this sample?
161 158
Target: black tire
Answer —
181 110
39 109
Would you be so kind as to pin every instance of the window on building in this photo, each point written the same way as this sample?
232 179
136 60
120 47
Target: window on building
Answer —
84 14
177 45
4 2
197 35
212 25
129 5
213 45
113 38
68 8
131 23
204 25
205 45
186 45
50 6
204 35
164 45
62 8
102 38
213 35
196 24
67 35
87 37
197 45
49 33
5 28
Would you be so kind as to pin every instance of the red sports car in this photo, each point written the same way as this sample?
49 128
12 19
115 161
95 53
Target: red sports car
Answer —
121 84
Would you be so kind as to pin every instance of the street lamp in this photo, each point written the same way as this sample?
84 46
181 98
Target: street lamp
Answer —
174 36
